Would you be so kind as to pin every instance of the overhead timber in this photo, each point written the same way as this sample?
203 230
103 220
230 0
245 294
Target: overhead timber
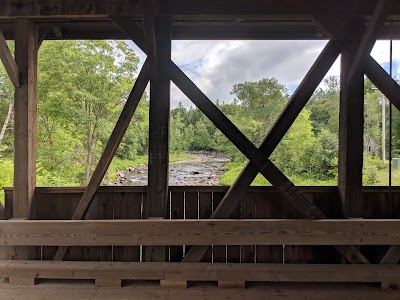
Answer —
253 19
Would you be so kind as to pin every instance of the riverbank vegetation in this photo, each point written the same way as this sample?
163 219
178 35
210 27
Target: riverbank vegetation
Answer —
82 89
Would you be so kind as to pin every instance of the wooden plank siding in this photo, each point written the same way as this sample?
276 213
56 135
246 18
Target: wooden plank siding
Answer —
201 271
59 203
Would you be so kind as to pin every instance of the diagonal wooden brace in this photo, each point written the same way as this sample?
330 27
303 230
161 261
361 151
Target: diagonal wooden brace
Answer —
110 150
256 157
297 102
285 186
9 62
378 76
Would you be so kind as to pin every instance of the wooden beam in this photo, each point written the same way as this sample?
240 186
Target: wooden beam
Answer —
199 232
367 43
351 114
110 149
257 158
8 61
107 282
131 30
77 8
351 132
391 256
200 271
382 80
297 102
157 31
25 116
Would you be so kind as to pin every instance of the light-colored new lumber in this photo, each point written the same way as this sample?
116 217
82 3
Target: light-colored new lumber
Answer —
199 232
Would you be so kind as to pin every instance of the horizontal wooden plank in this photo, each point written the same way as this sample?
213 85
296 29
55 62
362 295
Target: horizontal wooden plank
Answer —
127 189
199 232
112 189
75 8
199 271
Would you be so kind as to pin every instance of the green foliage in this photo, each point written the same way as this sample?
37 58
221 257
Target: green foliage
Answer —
293 153
6 175
83 86
325 154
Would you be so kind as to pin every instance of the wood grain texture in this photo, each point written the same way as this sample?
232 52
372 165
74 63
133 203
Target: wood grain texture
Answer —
199 232
9 62
200 271
25 118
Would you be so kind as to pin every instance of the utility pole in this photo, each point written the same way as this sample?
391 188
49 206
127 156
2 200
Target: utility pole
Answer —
383 101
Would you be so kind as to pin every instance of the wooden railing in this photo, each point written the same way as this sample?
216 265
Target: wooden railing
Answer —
265 230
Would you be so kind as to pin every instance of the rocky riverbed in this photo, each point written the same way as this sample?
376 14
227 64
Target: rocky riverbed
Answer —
205 169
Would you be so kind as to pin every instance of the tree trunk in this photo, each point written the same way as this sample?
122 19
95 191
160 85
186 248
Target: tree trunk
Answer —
8 118
91 139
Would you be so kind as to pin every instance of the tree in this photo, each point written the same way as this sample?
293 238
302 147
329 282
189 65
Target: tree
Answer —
324 106
82 87
261 101
6 104
293 153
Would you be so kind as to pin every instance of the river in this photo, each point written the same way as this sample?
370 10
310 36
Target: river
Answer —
205 169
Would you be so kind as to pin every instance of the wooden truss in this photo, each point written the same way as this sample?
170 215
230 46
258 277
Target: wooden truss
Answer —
154 38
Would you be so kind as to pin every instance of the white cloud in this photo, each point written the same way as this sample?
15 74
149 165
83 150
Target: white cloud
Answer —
215 66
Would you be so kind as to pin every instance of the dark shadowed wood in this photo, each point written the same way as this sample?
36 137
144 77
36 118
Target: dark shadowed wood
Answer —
9 62
127 206
351 130
281 126
205 211
368 41
191 210
110 149
381 79
268 207
158 46
248 210
105 211
25 124
90 253
219 251
260 161
294 253
177 212
298 100
25 117
131 30
233 252
201 271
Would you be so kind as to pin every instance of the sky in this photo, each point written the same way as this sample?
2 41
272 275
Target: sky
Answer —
215 66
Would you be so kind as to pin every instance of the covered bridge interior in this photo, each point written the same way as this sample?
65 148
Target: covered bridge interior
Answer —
237 235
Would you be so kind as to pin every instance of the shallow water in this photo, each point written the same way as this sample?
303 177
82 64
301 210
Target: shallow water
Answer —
205 169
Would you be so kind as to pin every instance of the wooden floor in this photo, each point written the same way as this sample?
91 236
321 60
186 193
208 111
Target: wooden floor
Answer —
204 291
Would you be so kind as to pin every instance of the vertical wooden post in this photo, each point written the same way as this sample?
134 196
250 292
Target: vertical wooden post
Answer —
157 195
351 130
25 103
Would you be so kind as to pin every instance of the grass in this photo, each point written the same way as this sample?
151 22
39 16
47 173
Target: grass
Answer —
383 177
234 168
